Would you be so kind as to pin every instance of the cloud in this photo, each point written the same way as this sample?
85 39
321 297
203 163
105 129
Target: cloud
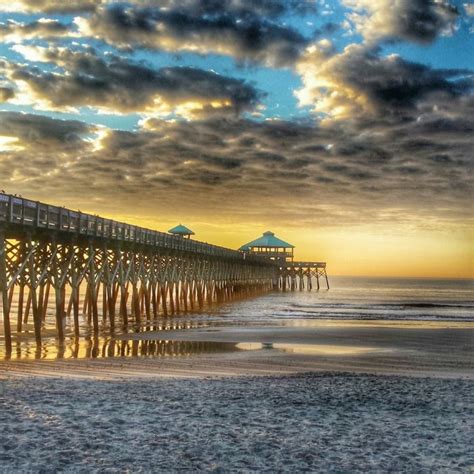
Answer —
270 8
116 85
420 21
240 33
6 93
49 6
395 142
304 172
15 32
469 8
32 146
359 81
242 8
38 131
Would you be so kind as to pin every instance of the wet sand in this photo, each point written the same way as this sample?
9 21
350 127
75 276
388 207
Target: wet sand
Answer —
434 352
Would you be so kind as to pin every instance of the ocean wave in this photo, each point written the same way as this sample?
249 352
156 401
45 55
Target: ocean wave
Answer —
286 314
454 305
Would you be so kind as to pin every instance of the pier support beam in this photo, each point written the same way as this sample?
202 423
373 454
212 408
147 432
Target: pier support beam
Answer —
4 295
294 274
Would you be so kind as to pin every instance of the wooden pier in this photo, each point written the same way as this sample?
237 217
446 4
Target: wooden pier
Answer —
111 273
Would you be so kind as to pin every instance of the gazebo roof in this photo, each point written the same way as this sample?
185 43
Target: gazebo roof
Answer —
268 239
181 230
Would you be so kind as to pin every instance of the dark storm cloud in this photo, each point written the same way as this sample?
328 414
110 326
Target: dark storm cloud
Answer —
116 84
411 20
393 133
241 33
248 31
40 148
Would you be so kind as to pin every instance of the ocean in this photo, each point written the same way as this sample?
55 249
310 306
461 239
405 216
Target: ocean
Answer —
364 298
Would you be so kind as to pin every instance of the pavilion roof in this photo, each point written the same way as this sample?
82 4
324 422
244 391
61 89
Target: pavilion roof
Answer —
181 230
268 239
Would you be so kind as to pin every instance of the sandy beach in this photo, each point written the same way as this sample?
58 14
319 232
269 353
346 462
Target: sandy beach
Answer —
317 422
295 395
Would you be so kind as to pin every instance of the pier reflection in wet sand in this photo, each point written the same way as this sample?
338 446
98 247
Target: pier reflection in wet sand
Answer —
107 347
113 342
108 344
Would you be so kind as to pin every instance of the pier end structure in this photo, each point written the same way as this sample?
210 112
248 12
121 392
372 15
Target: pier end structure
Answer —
292 274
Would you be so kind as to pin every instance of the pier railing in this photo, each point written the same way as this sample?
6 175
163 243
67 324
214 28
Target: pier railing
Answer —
20 216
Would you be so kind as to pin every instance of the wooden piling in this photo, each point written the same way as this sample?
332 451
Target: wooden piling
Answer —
19 319
4 295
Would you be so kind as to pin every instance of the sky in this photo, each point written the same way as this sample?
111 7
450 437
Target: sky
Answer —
345 127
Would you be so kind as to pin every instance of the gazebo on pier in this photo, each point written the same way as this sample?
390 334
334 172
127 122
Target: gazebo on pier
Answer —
268 245
182 231
291 275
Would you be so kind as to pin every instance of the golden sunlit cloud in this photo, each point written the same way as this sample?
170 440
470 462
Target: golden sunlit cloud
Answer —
323 89
58 6
15 32
359 82
9 144
410 20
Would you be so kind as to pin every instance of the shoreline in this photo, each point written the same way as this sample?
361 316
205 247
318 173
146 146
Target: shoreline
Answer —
251 351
